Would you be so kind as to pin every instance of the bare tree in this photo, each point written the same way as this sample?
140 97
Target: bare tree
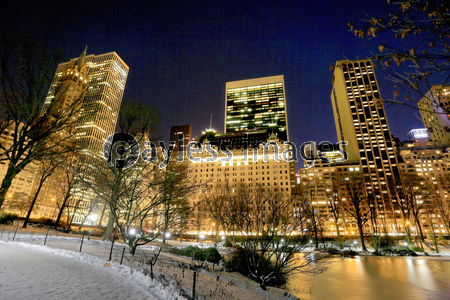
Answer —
141 120
18 202
26 72
223 207
411 203
45 170
267 219
308 198
404 194
136 195
443 202
335 208
175 204
196 219
64 184
356 203
424 30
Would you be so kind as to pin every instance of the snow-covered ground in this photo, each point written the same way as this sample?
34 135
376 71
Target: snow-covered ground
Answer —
172 282
38 272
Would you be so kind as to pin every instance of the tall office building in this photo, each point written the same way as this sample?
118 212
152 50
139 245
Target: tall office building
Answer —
256 104
106 77
361 121
66 96
435 111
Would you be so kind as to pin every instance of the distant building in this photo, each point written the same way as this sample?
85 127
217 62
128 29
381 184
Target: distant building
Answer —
21 189
431 165
275 173
255 104
420 139
186 130
435 111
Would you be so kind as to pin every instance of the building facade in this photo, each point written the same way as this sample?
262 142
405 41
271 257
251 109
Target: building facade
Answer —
361 121
435 111
185 130
22 187
243 170
256 104
105 78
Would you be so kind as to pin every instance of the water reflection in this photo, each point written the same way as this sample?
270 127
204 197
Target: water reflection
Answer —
377 278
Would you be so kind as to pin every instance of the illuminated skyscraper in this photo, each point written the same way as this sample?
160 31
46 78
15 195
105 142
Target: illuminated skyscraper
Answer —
106 77
256 104
361 121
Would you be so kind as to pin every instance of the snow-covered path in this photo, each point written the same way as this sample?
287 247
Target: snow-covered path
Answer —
38 272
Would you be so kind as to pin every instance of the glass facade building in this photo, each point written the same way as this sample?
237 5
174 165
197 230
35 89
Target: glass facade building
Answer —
256 104
107 75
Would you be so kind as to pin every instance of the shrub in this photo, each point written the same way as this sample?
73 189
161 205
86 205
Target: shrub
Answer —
195 252
209 254
332 251
405 252
212 255
42 221
349 253
8 218
239 263
382 242
176 251
415 248
228 244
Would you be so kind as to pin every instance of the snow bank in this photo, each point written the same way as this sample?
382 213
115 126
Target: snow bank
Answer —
159 288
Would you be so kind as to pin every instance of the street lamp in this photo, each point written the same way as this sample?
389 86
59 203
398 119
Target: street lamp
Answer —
93 218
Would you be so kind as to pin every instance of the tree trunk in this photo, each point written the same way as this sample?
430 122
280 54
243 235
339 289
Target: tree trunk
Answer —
217 233
6 184
422 238
27 218
133 248
316 238
375 238
263 285
408 233
361 233
322 237
103 213
63 206
341 243
109 227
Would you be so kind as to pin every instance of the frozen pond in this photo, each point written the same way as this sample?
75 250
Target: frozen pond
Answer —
377 278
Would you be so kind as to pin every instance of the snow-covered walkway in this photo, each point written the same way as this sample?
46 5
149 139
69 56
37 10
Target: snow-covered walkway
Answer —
38 272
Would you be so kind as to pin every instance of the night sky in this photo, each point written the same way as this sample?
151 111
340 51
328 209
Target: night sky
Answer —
181 54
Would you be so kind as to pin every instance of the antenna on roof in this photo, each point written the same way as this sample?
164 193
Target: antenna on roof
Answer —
210 122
